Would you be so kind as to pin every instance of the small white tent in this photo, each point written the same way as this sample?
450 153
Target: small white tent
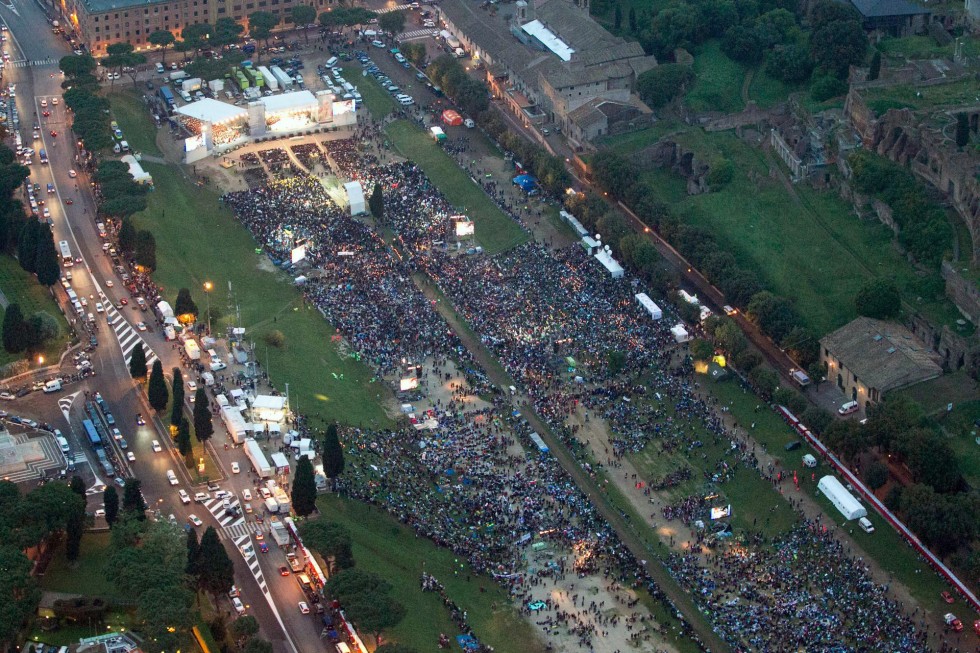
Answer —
355 196
843 500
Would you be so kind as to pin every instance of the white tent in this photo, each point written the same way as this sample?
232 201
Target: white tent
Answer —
680 333
843 500
355 195
649 306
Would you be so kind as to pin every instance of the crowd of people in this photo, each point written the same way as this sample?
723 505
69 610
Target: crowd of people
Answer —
577 343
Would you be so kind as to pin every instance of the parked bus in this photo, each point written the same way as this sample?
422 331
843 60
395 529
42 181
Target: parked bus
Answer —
66 258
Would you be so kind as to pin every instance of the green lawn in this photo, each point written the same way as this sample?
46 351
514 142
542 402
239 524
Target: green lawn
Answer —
87 576
719 81
393 551
378 101
23 289
198 241
495 231
130 112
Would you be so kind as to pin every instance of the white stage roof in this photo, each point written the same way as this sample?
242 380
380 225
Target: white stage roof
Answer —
297 100
209 110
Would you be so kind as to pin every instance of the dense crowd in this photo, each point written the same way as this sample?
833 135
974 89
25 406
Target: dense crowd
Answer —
577 342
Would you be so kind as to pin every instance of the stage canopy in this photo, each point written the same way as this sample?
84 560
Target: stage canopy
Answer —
213 111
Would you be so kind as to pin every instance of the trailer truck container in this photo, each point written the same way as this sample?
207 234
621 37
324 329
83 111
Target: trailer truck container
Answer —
285 81
270 79
259 462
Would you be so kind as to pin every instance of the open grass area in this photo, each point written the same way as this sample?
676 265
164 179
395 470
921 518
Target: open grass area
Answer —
963 92
87 575
377 100
495 231
393 551
130 112
719 81
23 289
198 241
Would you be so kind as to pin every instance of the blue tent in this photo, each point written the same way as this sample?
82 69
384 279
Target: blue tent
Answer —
527 183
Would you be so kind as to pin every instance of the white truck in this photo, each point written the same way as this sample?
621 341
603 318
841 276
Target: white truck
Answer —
284 80
270 79
259 462
192 350
234 422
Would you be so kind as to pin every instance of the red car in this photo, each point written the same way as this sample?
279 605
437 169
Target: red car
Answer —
947 597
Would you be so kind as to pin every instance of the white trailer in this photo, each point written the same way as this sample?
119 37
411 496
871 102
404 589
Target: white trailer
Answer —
284 80
843 500
259 462
234 422
192 349
270 79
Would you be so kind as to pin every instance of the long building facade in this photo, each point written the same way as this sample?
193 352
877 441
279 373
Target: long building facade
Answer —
100 23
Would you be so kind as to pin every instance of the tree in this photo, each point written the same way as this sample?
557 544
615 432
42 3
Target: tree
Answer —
177 396
162 38
392 22
377 202
133 502
618 18
244 627
14 330
185 306
333 454
661 84
156 392
875 70
203 428
184 438
876 475
127 236
146 250
304 488
216 572
301 16
878 298
260 25
47 264
110 500
962 130
331 540
137 362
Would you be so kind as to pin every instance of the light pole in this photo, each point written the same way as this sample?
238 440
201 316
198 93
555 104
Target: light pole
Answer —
207 293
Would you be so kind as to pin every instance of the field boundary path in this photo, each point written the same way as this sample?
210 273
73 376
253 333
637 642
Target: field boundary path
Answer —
620 523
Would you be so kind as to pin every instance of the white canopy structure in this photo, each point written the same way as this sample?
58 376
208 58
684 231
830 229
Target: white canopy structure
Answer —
139 175
268 408
843 500
355 196
212 111
649 306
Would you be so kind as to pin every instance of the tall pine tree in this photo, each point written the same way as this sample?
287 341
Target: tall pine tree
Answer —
203 428
137 362
156 392
304 488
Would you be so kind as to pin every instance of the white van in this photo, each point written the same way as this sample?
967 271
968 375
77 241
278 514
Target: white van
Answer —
865 525
331 62
848 408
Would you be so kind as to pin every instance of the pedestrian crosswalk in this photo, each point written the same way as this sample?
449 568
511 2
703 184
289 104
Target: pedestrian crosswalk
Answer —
417 34
127 336
25 63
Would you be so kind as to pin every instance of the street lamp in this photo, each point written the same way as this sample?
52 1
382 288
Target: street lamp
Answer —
207 293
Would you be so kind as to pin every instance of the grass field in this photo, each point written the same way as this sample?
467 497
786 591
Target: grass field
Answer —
130 112
87 576
377 100
192 249
23 289
719 82
495 231
393 551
